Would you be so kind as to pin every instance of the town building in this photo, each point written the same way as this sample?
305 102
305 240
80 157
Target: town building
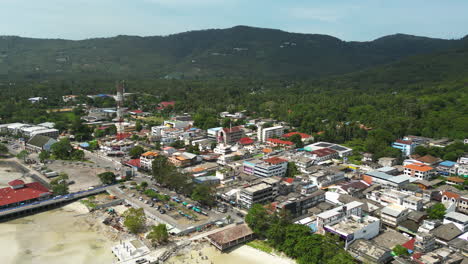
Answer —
230 136
304 137
231 237
458 219
393 214
130 250
424 242
355 227
420 171
298 206
324 154
20 193
146 160
183 159
276 142
341 150
266 168
445 233
405 146
39 143
326 177
337 214
369 252
271 132
384 179
258 193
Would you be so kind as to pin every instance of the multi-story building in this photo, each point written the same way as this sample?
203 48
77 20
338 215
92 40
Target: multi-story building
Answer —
265 133
266 168
298 206
424 242
462 205
183 159
458 219
276 142
342 150
413 203
230 136
324 154
384 179
337 214
420 171
146 160
393 214
405 146
447 168
355 227
327 177
261 192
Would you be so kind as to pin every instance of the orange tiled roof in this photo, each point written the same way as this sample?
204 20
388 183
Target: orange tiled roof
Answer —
419 167
150 153
451 195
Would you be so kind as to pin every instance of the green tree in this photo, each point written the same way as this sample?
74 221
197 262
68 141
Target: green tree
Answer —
203 194
178 144
60 188
258 219
23 155
136 152
135 219
107 177
400 250
44 155
62 149
138 126
144 185
437 211
3 149
158 234
297 140
157 145
292 170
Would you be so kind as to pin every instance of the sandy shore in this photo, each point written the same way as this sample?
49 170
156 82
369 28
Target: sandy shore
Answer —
66 235
207 254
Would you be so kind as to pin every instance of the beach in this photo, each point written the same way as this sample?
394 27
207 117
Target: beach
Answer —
207 254
64 235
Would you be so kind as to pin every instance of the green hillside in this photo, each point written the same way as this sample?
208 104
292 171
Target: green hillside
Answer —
238 52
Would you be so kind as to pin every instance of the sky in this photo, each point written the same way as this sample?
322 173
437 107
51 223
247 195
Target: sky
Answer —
351 20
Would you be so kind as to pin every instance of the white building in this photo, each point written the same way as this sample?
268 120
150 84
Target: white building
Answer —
393 215
355 227
259 193
337 214
458 219
265 133
130 250
146 160
266 168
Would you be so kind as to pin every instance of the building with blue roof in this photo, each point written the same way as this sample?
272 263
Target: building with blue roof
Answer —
447 168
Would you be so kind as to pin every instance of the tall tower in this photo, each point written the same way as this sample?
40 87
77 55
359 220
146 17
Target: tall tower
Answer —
120 100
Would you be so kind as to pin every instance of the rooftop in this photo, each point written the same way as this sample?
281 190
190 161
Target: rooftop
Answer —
324 152
231 234
352 225
393 210
30 191
279 141
458 216
257 187
275 160
419 167
447 163
303 135
446 232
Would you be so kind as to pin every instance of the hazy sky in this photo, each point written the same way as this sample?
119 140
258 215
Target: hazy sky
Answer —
345 19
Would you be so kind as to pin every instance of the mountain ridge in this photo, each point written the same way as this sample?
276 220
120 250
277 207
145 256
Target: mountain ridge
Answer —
240 51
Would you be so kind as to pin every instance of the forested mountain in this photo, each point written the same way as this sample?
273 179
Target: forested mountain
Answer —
238 52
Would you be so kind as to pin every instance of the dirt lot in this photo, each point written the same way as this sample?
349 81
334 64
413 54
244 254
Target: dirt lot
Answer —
84 174
9 173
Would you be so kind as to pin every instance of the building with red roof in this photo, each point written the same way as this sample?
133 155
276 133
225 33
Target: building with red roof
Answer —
134 163
304 136
279 143
246 141
275 160
165 104
266 168
230 136
324 154
22 193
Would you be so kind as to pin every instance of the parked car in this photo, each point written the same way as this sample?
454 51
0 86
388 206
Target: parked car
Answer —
162 211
